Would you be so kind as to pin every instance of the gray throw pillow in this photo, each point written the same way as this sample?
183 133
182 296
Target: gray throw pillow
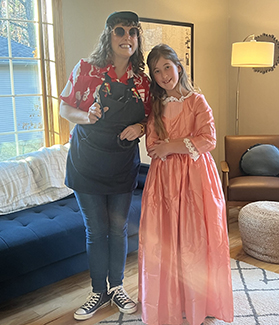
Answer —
261 160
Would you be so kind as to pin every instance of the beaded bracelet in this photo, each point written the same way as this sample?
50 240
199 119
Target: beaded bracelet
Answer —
142 129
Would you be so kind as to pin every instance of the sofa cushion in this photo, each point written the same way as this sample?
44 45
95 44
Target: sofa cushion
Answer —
33 238
251 188
260 160
33 179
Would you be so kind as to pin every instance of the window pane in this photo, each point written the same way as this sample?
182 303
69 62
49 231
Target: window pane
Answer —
51 43
24 36
4 50
48 15
28 142
7 147
31 141
26 10
19 49
3 39
48 37
3 9
6 115
5 80
53 79
29 114
26 77
55 108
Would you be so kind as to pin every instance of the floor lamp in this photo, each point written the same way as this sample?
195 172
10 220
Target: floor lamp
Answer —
250 54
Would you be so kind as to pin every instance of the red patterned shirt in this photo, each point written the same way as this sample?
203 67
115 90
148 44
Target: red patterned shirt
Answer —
85 78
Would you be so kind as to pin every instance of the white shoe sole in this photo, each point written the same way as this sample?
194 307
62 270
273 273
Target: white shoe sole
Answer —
87 316
126 311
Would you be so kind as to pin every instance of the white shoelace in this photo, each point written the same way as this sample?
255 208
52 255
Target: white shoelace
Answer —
122 296
92 300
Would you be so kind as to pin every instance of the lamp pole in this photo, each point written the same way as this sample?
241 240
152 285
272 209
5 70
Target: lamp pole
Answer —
237 104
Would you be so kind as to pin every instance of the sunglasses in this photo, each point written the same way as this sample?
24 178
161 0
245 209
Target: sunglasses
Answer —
120 32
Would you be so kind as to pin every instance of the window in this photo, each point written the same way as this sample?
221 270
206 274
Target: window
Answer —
30 81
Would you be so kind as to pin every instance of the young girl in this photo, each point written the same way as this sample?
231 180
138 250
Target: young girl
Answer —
184 262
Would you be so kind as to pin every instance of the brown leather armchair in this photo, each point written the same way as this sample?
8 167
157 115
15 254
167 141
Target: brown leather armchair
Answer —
240 189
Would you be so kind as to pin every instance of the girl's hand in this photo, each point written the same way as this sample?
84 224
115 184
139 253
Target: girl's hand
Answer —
159 150
95 113
131 132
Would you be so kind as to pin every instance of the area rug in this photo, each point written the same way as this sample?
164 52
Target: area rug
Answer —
256 299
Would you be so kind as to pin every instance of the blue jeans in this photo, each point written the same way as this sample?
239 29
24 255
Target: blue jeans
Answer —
106 221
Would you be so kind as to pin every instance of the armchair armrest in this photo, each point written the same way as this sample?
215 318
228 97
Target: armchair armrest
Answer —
224 167
225 177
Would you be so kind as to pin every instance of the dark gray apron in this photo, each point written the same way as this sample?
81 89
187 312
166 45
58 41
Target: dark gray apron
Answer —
98 161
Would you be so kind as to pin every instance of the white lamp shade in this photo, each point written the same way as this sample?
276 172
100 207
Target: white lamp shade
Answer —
252 54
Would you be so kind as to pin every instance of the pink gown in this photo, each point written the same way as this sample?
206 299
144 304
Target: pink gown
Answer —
184 261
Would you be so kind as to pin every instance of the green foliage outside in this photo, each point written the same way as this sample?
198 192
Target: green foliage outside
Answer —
8 149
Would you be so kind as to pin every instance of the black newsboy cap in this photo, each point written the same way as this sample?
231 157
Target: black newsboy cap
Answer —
122 15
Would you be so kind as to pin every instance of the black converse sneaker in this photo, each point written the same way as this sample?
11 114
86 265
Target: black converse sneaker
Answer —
121 299
94 302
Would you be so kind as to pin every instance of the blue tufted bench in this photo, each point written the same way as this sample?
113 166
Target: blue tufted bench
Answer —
46 243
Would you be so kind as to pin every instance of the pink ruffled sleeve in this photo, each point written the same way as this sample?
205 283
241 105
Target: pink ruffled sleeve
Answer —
151 135
204 134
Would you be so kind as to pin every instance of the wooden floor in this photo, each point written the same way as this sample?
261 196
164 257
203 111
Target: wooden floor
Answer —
56 303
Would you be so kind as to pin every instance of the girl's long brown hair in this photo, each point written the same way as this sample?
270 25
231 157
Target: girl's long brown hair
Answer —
158 93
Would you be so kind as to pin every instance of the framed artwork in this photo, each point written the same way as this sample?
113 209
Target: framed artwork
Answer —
178 35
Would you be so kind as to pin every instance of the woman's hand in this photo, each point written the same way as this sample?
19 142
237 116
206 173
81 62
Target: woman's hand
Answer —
160 149
79 116
95 113
131 132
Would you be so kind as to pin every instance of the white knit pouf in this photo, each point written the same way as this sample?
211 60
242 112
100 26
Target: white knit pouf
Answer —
259 230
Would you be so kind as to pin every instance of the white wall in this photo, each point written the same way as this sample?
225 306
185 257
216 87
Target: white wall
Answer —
85 19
